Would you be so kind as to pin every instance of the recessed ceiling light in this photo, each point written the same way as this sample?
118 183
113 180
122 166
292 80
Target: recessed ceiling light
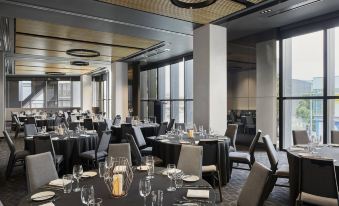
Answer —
266 11
79 63
190 5
82 53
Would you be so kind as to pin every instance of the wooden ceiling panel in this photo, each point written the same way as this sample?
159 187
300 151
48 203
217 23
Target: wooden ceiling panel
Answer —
205 15
66 32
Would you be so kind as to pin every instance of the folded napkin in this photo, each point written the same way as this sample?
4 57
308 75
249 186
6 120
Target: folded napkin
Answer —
91 131
29 137
164 140
47 204
296 149
183 142
85 135
119 168
196 142
59 182
175 170
301 145
55 138
198 193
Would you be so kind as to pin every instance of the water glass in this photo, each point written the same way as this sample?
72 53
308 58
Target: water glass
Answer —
77 173
160 197
95 202
102 169
178 181
108 162
201 129
87 194
144 188
170 173
67 183
150 167
43 129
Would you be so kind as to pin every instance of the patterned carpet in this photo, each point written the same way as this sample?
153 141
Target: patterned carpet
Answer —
13 189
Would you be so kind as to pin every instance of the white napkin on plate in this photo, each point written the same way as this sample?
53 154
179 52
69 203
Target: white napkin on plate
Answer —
47 204
120 168
198 193
55 138
59 182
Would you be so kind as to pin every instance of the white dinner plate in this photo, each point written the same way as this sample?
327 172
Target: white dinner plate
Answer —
89 174
41 196
190 178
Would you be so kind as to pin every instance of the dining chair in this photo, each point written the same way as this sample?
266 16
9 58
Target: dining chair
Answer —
211 161
317 182
141 142
181 125
245 157
231 132
117 120
74 118
120 150
19 126
100 152
162 129
249 124
135 152
40 170
57 122
66 116
170 125
88 124
30 120
1 203
190 160
335 137
108 123
300 137
253 191
44 144
125 128
129 120
16 158
30 130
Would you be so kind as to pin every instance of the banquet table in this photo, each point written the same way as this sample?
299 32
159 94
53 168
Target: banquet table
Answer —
169 150
294 155
69 147
159 182
147 130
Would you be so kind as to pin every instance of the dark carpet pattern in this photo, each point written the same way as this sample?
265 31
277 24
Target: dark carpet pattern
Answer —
14 188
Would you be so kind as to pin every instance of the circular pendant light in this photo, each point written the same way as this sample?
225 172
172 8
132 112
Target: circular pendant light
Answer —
197 5
79 63
82 53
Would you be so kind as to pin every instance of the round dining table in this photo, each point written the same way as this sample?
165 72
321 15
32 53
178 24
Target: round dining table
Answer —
296 152
168 147
68 146
159 182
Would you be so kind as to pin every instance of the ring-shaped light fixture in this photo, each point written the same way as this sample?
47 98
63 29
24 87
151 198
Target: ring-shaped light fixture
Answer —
79 63
82 53
197 5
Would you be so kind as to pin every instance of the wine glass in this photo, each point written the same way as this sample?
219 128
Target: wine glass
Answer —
150 167
87 194
201 129
170 173
77 173
144 188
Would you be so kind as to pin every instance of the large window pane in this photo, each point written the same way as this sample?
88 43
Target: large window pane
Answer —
76 93
189 79
177 81
166 111
303 65
178 111
164 82
64 94
143 85
144 109
189 112
152 84
333 115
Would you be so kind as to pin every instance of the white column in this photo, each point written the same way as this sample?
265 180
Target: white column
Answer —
119 89
2 92
210 77
267 88
86 92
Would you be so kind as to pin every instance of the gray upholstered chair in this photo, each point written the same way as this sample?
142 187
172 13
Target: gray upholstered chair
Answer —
245 157
108 123
120 150
88 124
253 192
170 125
135 152
117 120
30 130
162 129
249 124
40 170
231 132
300 137
318 182
141 142
129 120
190 160
16 158
334 137
18 125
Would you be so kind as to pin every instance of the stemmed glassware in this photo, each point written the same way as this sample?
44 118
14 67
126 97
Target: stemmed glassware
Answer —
170 174
77 173
150 167
87 194
144 188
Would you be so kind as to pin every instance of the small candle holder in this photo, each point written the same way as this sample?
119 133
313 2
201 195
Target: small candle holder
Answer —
118 177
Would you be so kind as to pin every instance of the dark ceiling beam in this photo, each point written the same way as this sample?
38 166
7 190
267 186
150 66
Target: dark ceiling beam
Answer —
244 2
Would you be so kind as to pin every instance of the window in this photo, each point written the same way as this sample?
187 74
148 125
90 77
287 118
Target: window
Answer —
101 95
64 94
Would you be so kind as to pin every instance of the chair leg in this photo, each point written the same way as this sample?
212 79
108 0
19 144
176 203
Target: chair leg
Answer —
231 165
219 183
10 166
17 132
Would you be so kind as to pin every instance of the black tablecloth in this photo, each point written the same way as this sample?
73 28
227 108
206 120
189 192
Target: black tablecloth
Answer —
293 161
160 182
169 152
70 148
147 130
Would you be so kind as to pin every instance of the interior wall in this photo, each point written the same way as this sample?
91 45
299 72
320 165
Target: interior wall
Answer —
241 89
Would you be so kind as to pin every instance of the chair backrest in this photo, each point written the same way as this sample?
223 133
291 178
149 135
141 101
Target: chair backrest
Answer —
108 123
73 118
40 170
252 193
17 121
170 125
30 120
135 152
120 150
73 125
129 120
231 132
58 120
300 137
182 125
117 120
66 116
139 137
104 141
30 129
253 145
271 153
190 160
43 144
126 128
102 127
88 123
318 177
9 142
249 120
211 152
335 137
162 129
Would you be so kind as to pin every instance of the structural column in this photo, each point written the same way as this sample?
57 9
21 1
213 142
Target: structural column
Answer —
119 89
210 77
86 92
266 104
2 92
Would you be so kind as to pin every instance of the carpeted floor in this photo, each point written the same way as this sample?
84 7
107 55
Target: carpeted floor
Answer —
13 189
